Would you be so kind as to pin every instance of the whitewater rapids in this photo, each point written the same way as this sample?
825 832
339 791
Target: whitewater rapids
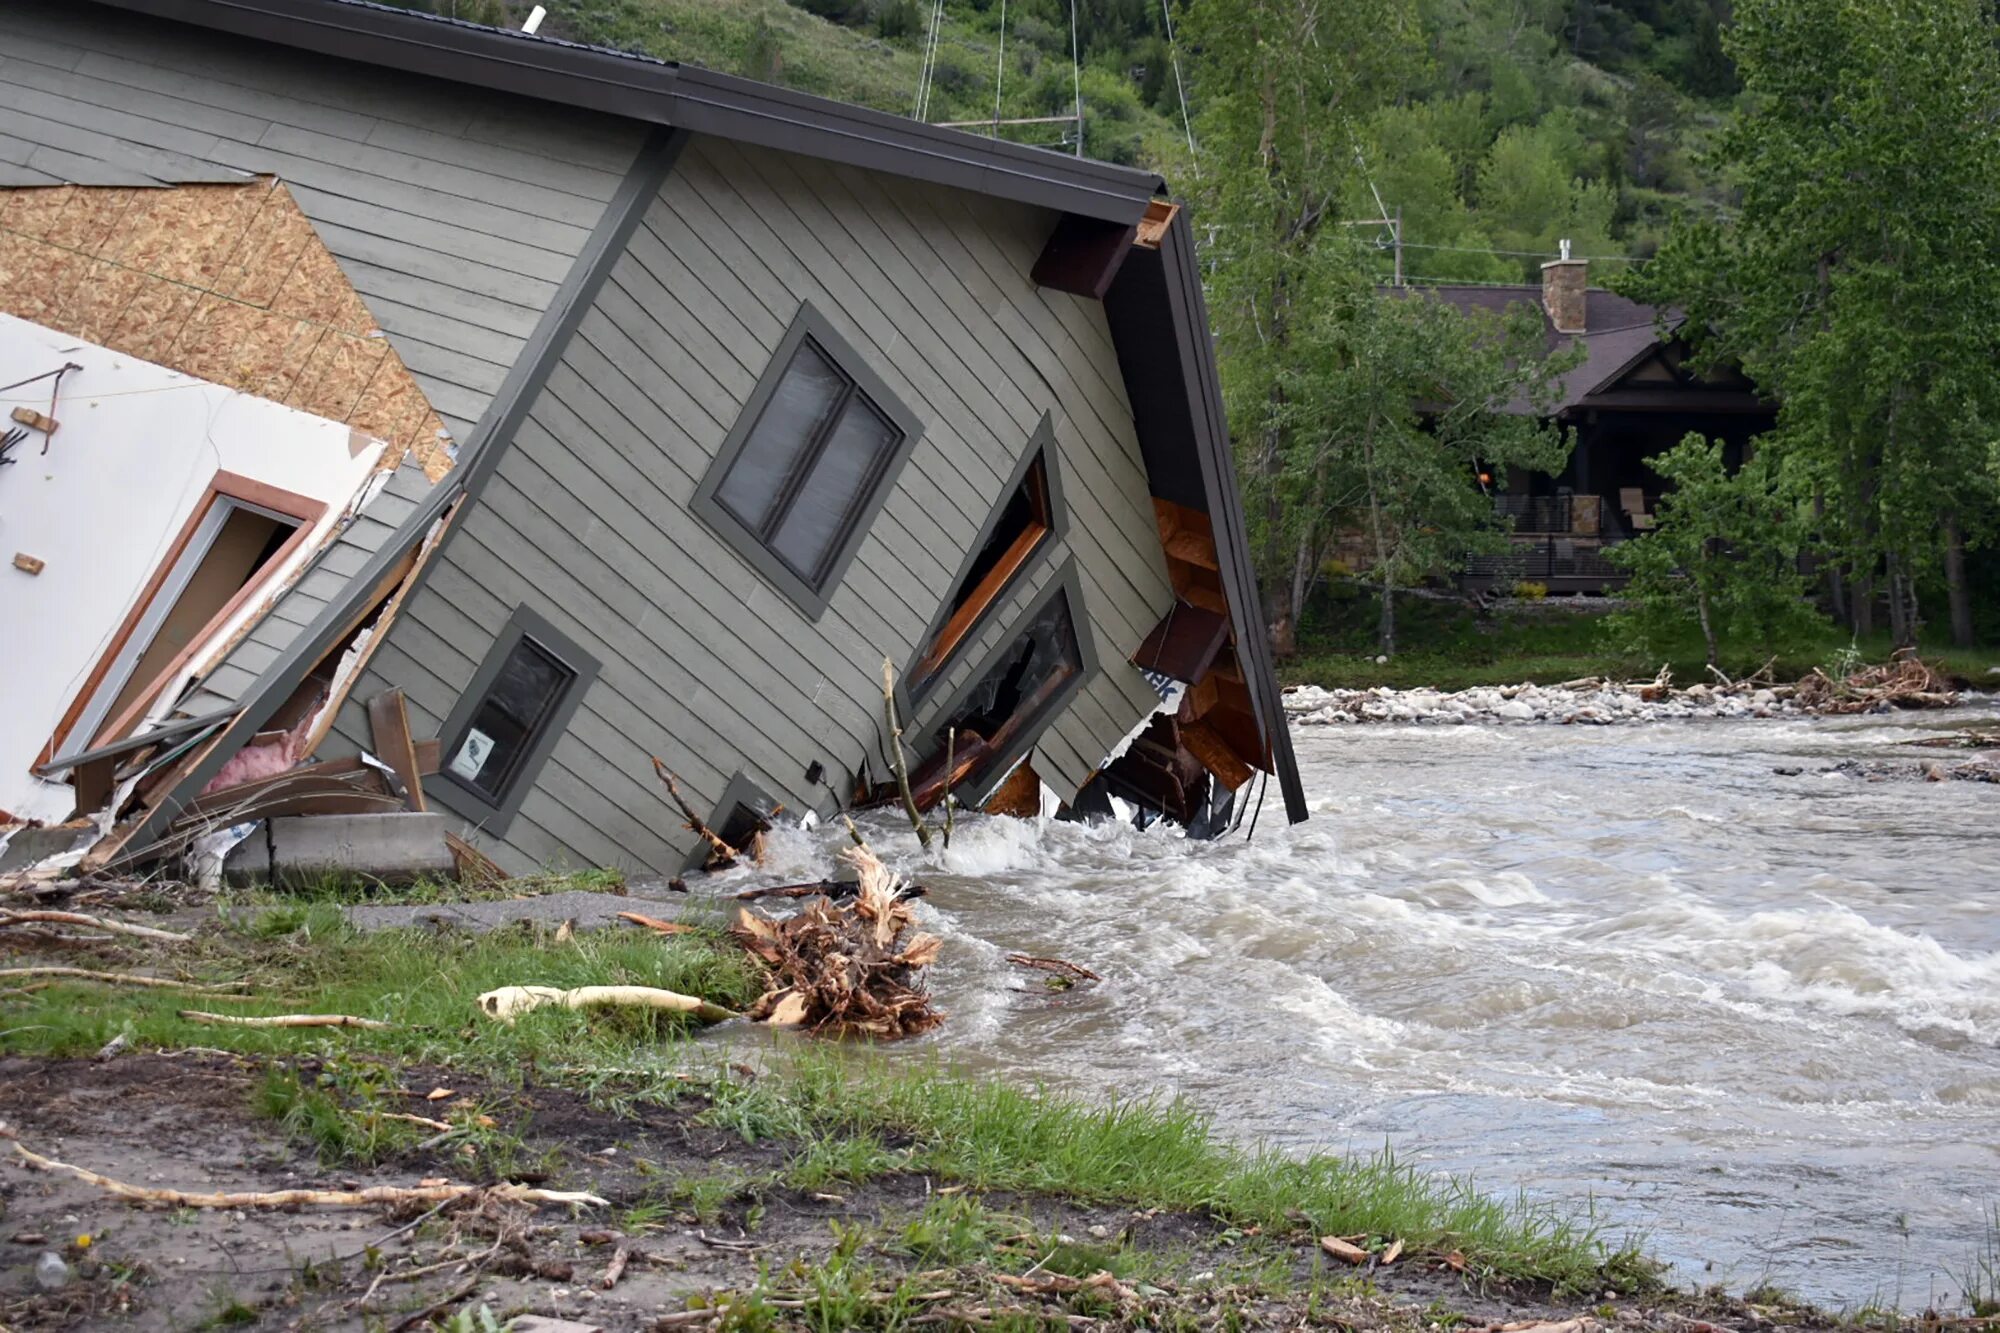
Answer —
1753 1017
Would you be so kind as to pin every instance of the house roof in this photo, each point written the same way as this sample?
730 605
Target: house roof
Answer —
679 100
1618 331
662 92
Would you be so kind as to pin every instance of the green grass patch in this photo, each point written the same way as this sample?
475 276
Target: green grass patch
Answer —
843 1116
302 957
1164 1154
1449 644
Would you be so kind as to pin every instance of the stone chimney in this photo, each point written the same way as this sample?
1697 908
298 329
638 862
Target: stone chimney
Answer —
1565 282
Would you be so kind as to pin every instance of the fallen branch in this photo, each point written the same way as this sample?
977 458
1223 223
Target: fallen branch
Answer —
654 923
362 1198
283 1020
118 978
439 1306
1057 965
616 1268
829 888
896 758
11 918
510 1002
721 855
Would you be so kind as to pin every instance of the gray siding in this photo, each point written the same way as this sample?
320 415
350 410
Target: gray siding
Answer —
454 212
704 664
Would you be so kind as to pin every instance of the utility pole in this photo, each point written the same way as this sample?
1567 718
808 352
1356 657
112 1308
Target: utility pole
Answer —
1398 234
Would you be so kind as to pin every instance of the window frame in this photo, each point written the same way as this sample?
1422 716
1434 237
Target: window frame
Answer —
1065 582
460 795
742 790
1041 445
808 324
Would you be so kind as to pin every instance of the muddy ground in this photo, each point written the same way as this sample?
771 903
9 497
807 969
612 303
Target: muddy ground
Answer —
185 1120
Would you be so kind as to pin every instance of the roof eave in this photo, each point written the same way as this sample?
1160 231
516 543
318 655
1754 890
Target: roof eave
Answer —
664 93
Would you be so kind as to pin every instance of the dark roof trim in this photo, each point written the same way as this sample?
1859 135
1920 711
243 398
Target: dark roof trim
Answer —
1225 504
665 93
480 455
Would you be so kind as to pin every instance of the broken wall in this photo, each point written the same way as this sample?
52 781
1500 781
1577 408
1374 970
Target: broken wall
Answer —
226 283
98 511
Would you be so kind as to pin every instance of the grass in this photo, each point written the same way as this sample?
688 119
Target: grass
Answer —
1447 644
302 957
844 1117
1161 1154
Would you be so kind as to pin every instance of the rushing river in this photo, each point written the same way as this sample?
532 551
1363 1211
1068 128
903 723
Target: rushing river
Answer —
1755 1018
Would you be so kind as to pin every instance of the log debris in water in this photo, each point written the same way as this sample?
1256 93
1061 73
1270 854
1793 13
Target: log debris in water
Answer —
846 968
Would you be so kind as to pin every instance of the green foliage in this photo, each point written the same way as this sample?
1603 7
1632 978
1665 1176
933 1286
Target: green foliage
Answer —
1390 409
1724 552
1859 281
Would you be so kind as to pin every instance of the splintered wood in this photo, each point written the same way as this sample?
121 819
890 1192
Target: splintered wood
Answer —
846 968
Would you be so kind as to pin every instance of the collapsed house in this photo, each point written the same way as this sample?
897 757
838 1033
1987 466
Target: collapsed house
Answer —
418 415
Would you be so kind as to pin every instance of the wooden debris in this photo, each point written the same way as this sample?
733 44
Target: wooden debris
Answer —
1343 1249
616 1268
12 918
362 1198
656 924
846 969
118 978
896 758
510 1002
721 855
1060 967
283 1020
1905 681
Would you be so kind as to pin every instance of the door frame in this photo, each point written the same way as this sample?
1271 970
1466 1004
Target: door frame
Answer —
226 491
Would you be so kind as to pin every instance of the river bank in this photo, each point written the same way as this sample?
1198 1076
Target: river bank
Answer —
747 1180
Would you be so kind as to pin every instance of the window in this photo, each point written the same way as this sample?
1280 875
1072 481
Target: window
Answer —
1020 687
507 721
1024 524
808 463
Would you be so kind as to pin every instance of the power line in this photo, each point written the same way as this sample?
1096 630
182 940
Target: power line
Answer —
1076 74
1173 54
1522 254
1000 69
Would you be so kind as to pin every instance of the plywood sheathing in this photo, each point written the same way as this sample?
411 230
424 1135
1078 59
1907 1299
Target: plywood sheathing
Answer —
228 283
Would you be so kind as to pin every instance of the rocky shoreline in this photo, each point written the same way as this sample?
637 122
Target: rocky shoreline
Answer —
1589 702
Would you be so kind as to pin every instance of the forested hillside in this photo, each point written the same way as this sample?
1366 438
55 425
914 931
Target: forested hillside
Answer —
1524 121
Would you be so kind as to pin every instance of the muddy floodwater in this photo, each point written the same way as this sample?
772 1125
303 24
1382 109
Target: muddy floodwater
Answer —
1754 1017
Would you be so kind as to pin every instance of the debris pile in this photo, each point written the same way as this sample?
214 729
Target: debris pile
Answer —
846 969
1905 682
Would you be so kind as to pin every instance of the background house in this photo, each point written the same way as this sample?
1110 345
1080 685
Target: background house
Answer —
1633 396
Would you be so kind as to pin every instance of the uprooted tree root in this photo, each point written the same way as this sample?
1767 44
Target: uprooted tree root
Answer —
846 968
1905 681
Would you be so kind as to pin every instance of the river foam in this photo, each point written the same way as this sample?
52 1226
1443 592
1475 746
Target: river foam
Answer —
1757 1016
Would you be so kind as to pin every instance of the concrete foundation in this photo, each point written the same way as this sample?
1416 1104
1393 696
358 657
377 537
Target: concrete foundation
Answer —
397 847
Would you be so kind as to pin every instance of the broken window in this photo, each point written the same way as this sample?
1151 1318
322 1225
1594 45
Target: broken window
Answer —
1024 525
518 703
1020 689
808 463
